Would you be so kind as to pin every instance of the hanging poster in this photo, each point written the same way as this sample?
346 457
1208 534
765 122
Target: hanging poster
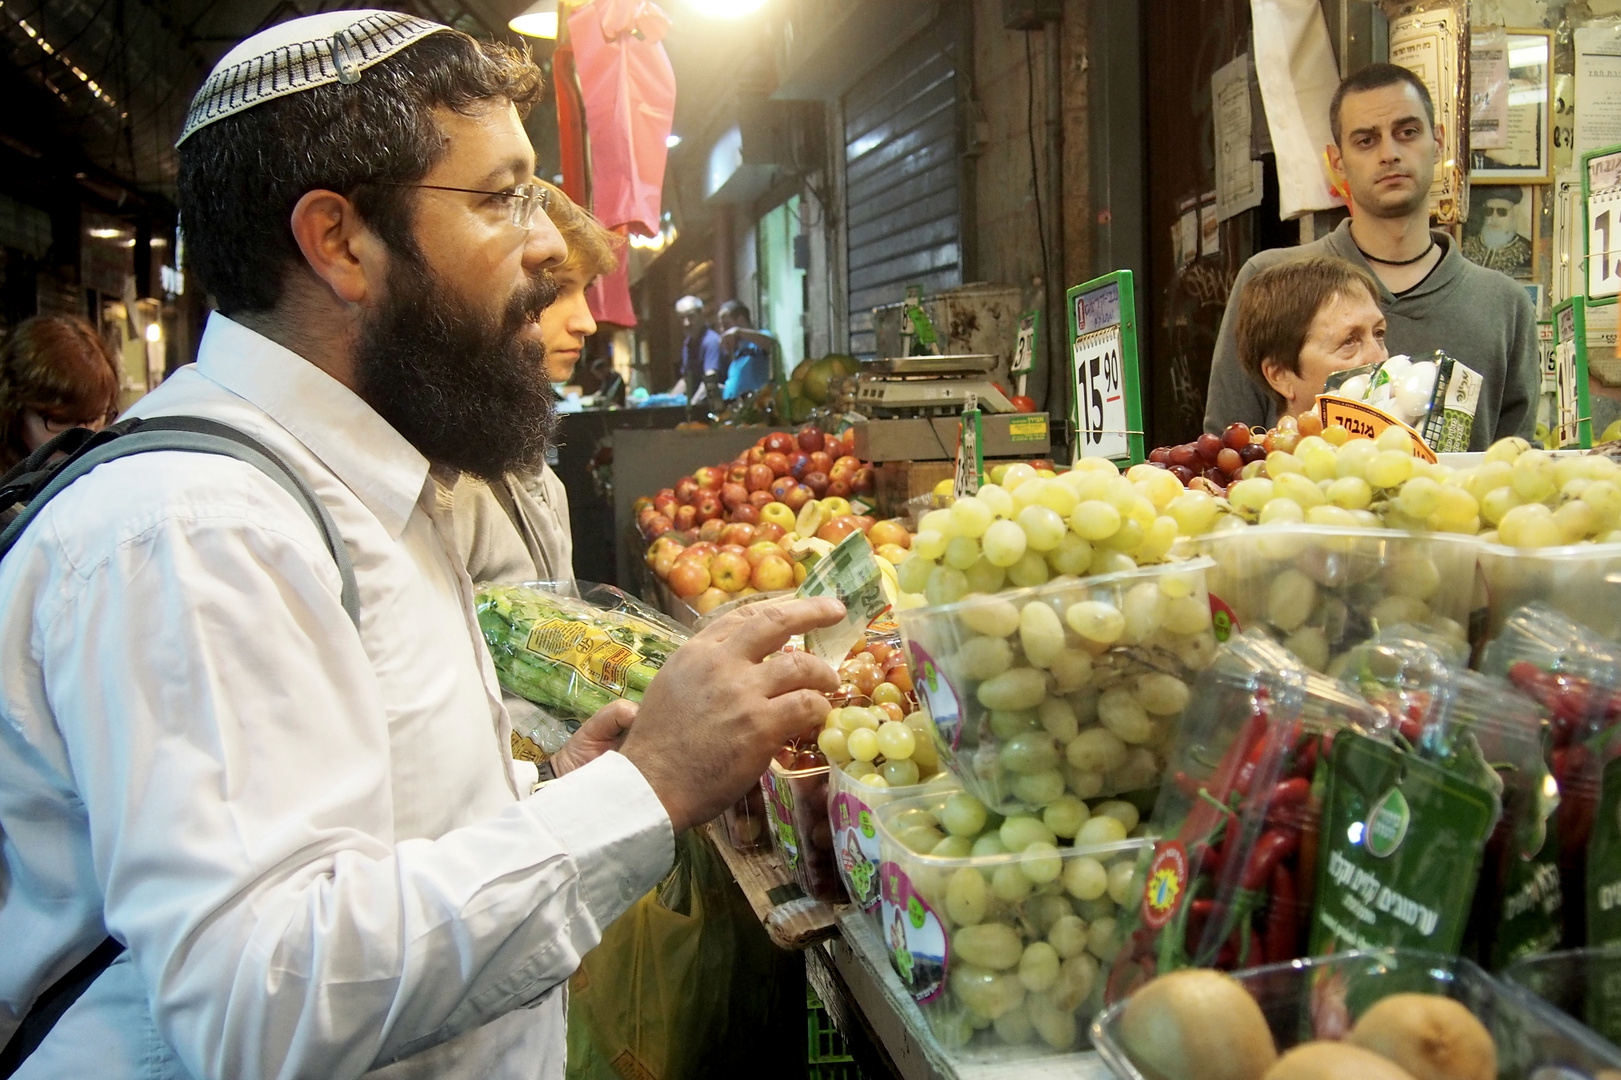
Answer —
1598 87
1523 153
1428 44
1238 177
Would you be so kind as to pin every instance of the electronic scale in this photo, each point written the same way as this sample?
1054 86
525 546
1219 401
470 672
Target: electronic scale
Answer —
909 386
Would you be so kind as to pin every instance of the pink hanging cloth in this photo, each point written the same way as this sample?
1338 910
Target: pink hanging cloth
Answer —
629 91
609 296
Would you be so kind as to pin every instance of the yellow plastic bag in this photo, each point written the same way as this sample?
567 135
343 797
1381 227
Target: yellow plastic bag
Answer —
649 1001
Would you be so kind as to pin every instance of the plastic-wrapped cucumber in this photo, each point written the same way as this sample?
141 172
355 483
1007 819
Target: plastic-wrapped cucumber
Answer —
572 656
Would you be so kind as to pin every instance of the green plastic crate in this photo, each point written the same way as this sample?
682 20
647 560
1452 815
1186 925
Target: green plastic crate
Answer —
828 1059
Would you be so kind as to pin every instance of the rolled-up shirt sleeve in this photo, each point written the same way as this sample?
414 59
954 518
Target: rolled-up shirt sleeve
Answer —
233 756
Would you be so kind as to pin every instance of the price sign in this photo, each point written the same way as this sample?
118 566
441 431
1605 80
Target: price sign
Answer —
1574 427
1100 398
1601 192
1105 405
1024 351
970 451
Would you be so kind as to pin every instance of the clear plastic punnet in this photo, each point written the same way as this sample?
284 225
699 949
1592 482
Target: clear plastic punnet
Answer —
796 803
1582 581
1233 871
1321 590
853 807
1323 998
998 929
1076 686
1582 983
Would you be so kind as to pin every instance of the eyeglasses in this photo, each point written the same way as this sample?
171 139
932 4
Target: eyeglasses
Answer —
525 198
1497 211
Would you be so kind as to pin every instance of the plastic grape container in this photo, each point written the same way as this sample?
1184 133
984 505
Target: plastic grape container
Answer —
1582 983
796 801
1003 951
1076 686
748 829
1322 997
1322 590
853 809
1582 581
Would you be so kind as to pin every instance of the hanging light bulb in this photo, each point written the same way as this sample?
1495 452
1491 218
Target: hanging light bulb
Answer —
538 20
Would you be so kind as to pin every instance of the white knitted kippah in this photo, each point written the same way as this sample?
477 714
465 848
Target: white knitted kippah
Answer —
295 55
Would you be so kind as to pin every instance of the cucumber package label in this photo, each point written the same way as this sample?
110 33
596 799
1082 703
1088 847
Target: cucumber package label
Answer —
855 844
589 651
1401 850
914 934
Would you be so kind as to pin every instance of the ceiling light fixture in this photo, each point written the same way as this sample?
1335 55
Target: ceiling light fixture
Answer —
728 9
538 20
105 233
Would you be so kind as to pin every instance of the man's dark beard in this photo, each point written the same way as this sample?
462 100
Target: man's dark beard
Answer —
460 385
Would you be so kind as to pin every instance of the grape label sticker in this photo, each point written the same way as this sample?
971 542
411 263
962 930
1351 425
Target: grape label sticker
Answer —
1105 414
779 806
916 940
937 695
855 842
1167 879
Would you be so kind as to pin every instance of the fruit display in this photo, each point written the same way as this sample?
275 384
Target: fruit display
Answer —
1322 590
808 383
1074 687
1212 462
1393 1015
1029 529
999 926
731 530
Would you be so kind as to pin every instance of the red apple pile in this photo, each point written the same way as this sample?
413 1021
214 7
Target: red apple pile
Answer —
701 528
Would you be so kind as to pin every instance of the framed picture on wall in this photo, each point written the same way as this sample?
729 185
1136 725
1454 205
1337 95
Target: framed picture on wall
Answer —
1501 230
1524 156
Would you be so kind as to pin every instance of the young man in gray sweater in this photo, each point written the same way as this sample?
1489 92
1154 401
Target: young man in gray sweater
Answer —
1386 147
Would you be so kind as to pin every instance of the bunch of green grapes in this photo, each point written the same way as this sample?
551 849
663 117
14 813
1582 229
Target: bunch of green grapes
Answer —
878 749
1031 907
1074 688
1029 529
1517 496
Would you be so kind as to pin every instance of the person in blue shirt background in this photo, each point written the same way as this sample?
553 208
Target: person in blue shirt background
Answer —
700 350
746 350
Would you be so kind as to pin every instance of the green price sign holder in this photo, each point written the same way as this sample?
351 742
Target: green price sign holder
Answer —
1106 411
1601 216
1572 425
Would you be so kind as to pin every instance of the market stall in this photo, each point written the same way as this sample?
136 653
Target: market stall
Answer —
1270 726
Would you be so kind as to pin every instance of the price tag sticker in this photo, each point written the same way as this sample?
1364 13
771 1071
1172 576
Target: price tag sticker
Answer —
1100 397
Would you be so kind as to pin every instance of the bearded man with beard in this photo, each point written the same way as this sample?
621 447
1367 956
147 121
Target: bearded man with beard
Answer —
1385 150
301 841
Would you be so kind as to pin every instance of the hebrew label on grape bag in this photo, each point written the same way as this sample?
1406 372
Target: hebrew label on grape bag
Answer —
855 843
937 695
914 934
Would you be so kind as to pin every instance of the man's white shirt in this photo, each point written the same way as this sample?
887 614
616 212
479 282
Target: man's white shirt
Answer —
314 842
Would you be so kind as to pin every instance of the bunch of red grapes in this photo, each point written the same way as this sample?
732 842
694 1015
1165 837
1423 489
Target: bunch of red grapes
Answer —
1212 462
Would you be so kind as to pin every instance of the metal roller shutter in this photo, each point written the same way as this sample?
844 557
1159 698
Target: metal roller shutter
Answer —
902 171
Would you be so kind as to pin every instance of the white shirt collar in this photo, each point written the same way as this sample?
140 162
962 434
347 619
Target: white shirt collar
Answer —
372 459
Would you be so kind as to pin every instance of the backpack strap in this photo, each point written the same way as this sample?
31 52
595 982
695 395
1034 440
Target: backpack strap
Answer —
183 433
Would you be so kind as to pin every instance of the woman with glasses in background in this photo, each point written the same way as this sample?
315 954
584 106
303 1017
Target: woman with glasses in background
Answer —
56 373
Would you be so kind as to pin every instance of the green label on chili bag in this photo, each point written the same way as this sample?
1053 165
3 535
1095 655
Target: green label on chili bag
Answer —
1604 862
1401 848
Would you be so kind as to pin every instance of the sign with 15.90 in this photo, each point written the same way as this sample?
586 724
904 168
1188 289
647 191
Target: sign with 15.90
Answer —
1100 403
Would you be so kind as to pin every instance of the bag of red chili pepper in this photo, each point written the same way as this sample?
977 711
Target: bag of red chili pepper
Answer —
1576 676
1230 879
1477 727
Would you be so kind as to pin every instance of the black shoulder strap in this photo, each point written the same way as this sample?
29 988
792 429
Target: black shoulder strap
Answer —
45 1012
184 433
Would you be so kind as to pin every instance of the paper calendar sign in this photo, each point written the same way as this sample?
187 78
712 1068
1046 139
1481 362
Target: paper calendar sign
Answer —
1105 406
1601 194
